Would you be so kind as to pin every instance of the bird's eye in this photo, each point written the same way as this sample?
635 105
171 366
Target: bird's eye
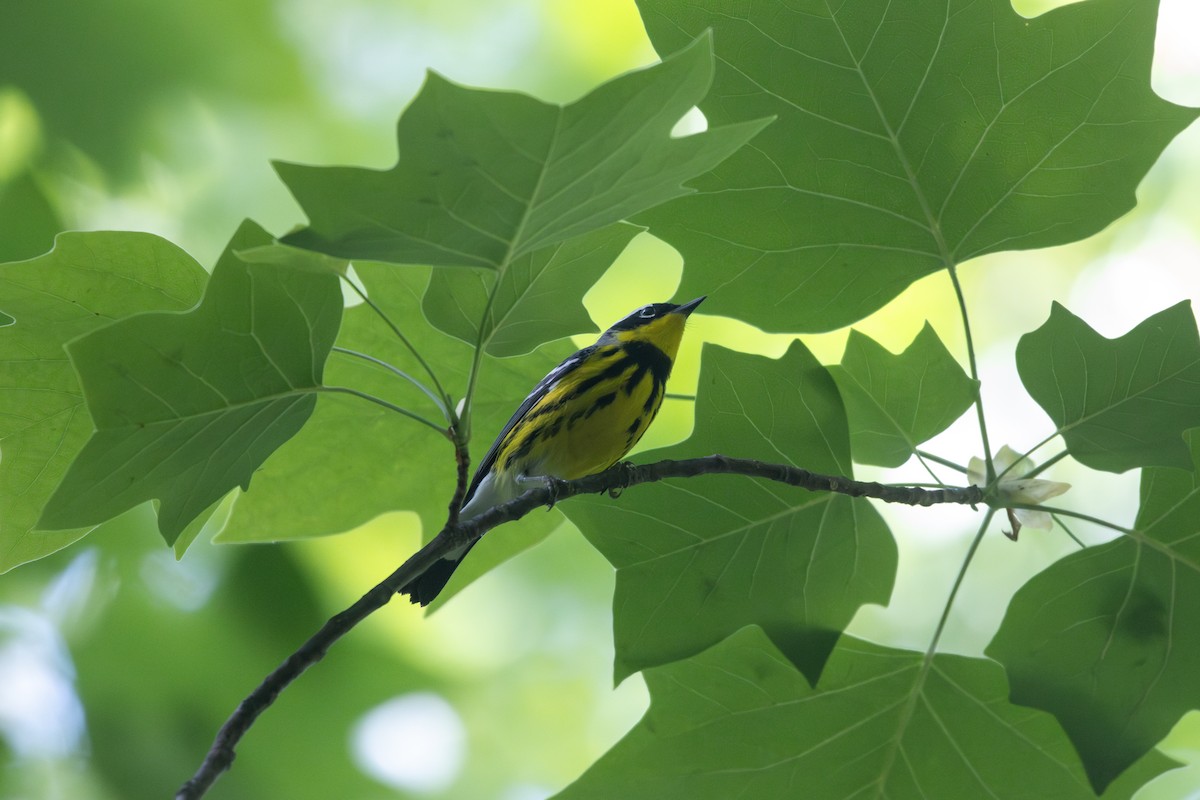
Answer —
647 312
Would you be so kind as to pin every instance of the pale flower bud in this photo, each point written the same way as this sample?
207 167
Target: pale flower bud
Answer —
1029 491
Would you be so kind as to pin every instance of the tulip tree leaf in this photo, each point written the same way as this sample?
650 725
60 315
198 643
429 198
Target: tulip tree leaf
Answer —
1118 403
378 460
895 402
485 178
539 298
187 406
87 281
28 223
698 559
909 137
738 720
1105 638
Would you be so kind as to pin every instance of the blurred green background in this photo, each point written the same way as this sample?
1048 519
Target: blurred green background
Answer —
118 663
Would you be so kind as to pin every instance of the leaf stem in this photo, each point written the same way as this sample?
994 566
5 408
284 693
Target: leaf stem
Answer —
1067 530
396 370
476 358
962 573
1045 465
952 269
379 401
1139 536
1077 515
927 662
939 460
447 401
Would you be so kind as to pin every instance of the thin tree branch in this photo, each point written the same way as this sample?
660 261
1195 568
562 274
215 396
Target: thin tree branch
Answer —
220 756
462 460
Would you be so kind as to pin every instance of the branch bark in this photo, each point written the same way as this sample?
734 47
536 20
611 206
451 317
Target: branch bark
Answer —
622 476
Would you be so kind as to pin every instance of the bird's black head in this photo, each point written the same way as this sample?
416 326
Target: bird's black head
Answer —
647 314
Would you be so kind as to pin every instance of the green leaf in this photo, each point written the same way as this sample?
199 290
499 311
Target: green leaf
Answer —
28 223
909 137
187 406
538 299
700 558
378 460
895 402
1118 403
1105 638
87 281
485 178
739 721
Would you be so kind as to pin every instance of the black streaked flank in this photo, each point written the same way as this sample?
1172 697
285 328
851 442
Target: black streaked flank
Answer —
614 370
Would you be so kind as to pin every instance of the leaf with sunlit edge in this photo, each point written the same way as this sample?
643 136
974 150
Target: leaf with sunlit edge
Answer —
1118 403
539 298
698 559
738 720
85 282
909 136
486 178
896 402
187 406
1105 639
382 462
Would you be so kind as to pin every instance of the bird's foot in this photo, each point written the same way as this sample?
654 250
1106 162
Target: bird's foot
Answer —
626 478
552 485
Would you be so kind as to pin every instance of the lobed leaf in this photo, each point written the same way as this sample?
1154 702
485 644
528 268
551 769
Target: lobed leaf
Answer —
28 223
486 178
896 402
187 406
1118 403
1105 638
379 461
538 298
85 282
698 559
738 720
909 137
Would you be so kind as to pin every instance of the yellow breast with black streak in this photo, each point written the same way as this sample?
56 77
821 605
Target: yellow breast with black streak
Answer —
598 412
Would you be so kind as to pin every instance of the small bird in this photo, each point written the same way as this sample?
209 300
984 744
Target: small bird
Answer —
580 419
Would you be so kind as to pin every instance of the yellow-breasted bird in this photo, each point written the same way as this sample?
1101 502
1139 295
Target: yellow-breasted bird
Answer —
580 419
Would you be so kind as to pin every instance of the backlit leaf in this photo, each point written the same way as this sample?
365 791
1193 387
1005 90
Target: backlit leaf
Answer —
739 721
378 460
485 177
1105 639
700 558
539 298
87 281
187 406
1118 403
895 402
28 223
909 136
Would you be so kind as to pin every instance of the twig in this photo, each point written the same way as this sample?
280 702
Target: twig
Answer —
220 756
462 460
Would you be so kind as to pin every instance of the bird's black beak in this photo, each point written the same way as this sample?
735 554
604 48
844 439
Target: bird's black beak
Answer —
688 308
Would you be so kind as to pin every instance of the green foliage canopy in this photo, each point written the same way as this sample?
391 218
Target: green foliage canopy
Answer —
906 139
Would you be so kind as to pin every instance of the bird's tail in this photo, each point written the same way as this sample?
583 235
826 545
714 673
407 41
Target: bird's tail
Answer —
426 586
